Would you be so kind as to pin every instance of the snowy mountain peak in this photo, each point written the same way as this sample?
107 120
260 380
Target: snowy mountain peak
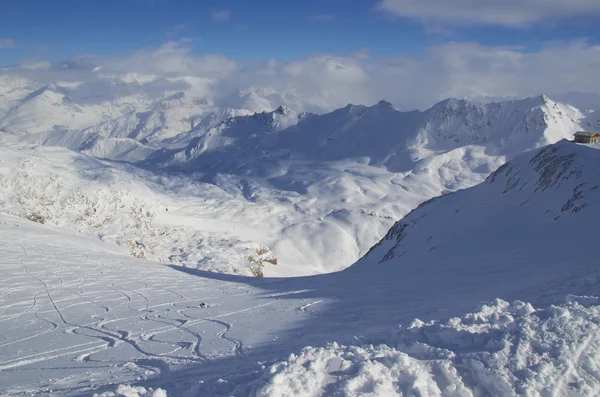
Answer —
383 102
544 98
453 103
534 101
282 110
517 125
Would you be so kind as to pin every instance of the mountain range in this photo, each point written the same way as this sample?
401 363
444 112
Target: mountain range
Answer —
315 191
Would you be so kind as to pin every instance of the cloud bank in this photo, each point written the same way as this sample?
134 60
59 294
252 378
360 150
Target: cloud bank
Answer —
324 82
509 13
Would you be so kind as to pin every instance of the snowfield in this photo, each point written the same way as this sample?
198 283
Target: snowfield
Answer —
426 312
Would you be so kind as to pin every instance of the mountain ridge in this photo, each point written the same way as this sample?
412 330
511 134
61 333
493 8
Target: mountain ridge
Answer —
550 191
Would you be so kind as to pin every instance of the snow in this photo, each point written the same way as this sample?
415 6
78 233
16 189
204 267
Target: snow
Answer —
136 213
133 391
345 208
120 204
315 190
537 197
87 316
503 349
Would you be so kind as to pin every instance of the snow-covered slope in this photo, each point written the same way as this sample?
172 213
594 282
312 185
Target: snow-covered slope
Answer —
359 167
297 183
13 89
502 349
550 195
122 204
233 224
139 133
70 105
79 114
47 108
80 316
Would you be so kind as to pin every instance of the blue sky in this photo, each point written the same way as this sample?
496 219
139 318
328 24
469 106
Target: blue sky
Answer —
247 30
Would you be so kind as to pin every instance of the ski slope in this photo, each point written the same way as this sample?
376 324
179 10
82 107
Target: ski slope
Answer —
85 316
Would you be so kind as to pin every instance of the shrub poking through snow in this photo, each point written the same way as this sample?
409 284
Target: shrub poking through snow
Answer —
258 258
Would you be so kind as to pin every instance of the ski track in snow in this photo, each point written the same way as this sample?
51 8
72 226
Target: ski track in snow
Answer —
76 310
573 361
304 307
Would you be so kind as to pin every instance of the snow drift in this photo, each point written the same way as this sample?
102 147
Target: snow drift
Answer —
502 349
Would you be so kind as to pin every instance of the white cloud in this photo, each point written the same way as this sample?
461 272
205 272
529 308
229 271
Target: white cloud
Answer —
470 70
221 16
6 42
40 65
174 58
511 13
325 82
460 69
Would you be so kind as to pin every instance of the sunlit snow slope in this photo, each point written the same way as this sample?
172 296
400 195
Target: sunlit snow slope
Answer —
122 204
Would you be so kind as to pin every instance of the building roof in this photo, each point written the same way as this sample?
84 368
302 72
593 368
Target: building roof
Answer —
586 134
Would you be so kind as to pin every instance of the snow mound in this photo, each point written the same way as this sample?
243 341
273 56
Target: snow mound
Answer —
503 349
